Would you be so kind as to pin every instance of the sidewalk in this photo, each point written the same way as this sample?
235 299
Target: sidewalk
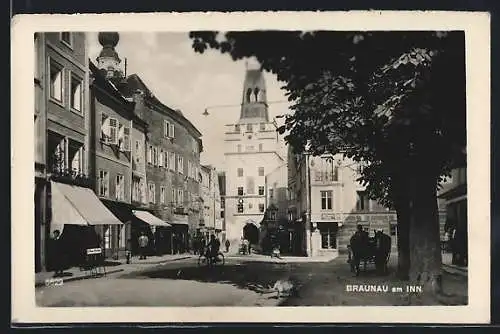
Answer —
451 268
75 274
283 259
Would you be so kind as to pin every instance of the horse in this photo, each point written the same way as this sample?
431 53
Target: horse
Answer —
363 248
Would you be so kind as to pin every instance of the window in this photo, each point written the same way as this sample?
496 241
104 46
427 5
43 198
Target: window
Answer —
166 163
261 147
250 206
240 206
249 128
107 237
239 148
162 195
180 164
261 207
151 192
335 174
103 183
161 159
240 172
138 151
56 81
137 194
120 187
76 93
66 38
155 156
237 128
180 197
393 228
261 190
261 171
150 154
166 129
172 130
326 200
240 191
271 192
328 233
124 138
362 202
76 162
262 126
174 196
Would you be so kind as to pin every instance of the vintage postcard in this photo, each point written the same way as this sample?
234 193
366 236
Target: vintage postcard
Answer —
263 167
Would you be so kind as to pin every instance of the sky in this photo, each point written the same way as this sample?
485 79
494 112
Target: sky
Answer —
191 82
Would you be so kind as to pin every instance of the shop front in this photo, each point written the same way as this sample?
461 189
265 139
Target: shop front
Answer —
159 233
75 212
180 233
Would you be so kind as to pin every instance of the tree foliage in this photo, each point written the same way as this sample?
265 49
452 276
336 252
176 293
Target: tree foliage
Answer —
391 100
385 98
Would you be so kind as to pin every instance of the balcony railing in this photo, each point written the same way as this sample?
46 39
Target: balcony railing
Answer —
72 177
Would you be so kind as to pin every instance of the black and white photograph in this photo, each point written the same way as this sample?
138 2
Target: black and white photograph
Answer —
265 167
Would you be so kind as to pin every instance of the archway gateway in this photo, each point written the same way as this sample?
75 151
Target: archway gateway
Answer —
251 233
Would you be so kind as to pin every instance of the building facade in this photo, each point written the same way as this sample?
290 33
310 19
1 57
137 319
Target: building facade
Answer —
454 195
173 147
62 123
252 149
211 222
329 202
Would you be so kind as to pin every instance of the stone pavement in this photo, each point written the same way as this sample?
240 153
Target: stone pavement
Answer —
329 287
283 259
74 273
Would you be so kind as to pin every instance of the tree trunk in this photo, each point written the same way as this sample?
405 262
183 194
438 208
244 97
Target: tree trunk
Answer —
402 206
425 253
403 234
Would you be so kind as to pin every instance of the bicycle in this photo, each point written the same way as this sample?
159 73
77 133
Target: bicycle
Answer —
211 261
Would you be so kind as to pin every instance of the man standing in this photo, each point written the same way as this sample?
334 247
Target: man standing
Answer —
57 253
227 245
143 244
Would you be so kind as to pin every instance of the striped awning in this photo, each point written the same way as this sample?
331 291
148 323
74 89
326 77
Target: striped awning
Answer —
149 218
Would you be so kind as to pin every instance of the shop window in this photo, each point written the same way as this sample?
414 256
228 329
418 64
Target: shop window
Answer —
328 235
107 237
123 237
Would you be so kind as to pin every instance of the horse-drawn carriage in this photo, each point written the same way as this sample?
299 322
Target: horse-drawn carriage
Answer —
375 250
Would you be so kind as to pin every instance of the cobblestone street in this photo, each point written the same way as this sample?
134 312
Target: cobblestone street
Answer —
238 283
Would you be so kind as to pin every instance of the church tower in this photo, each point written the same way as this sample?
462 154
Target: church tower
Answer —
108 60
252 152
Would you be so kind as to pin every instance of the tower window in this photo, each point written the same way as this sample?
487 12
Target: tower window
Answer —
256 94
249 93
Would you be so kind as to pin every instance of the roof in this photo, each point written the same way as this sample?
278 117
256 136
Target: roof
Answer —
134 82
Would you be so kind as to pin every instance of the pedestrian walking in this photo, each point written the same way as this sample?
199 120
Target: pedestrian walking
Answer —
56 253
227 245
143 244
